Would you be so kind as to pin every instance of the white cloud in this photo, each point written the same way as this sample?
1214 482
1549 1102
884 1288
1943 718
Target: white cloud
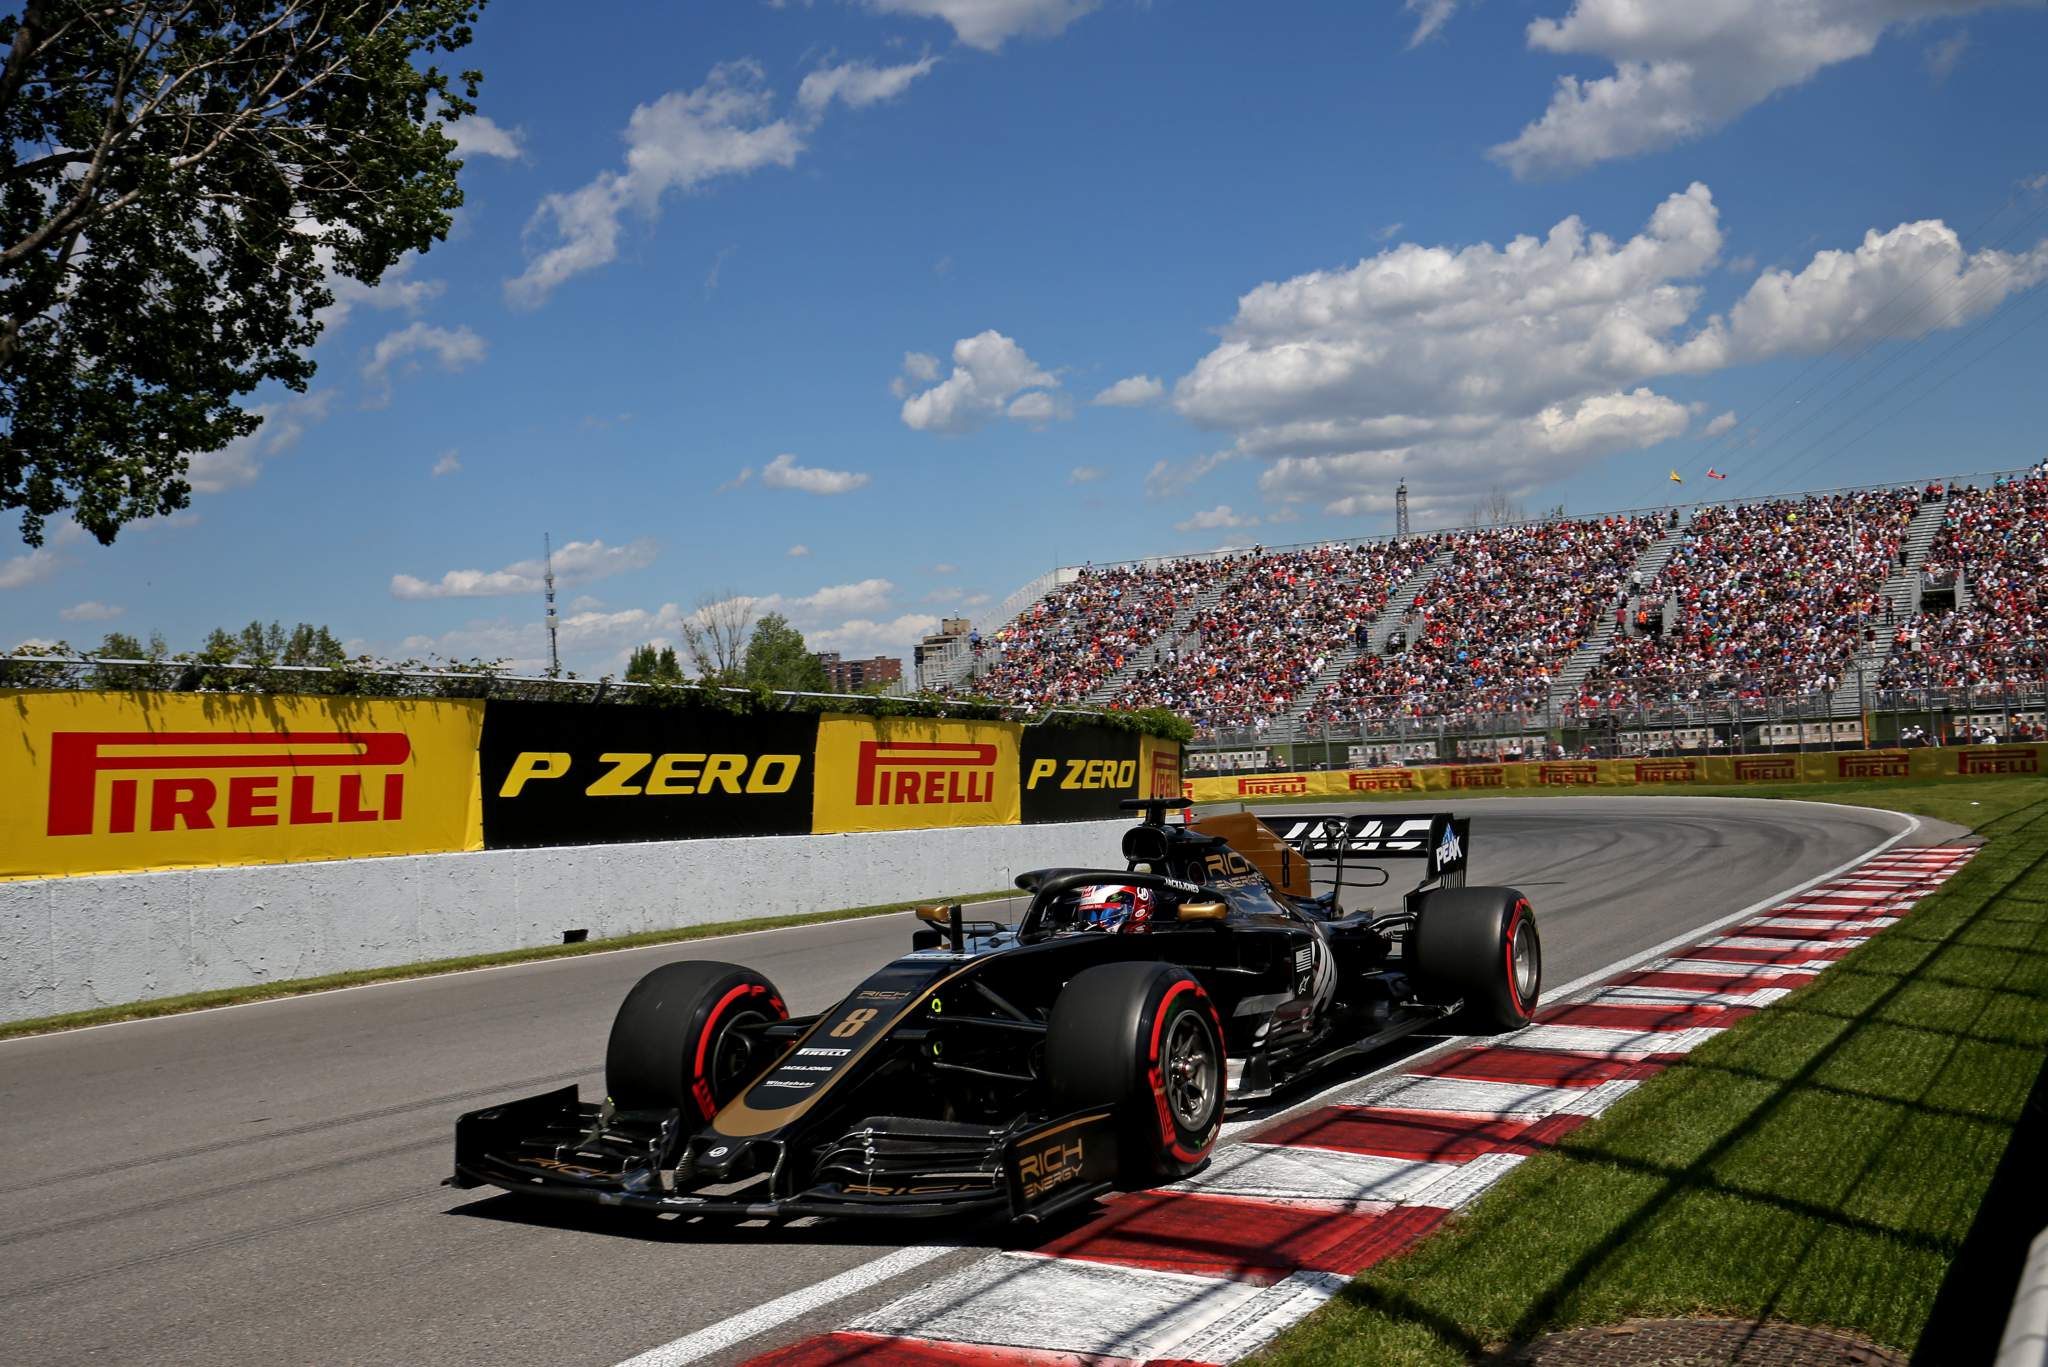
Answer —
859 84
478 135
578 562
455 348
1944 56
945 567
946 595
1166 478
1085 474
91 611
921 366
1684 70
583 602
746 473
394 290
1521 363
784 473
1214 518
863 637
241 460
1130 392
990 375
1037 406
678 143
798 551
449 463
19 571
711 277
1430 16
1719 425
988 24
1390 232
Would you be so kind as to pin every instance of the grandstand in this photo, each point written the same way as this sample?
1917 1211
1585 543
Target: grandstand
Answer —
1805 607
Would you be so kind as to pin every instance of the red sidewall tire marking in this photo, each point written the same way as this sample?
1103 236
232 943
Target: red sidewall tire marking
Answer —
1169 1133
700 1086
1508 942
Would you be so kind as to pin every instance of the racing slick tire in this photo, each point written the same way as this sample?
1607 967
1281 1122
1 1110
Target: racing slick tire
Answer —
1480 944
1145 1039
673 1043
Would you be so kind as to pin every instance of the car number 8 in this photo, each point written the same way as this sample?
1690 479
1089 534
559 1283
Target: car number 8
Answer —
855 1019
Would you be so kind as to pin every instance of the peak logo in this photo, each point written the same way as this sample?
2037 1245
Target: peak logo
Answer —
145 763
911 772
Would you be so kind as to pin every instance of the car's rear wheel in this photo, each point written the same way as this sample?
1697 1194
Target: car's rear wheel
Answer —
1481 945
682 1038
1143 1038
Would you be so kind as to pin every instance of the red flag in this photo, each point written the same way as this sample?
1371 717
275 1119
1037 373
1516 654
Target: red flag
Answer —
1712 473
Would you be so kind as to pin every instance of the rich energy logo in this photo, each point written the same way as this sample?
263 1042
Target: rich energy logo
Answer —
1050 1167
901 773
154 787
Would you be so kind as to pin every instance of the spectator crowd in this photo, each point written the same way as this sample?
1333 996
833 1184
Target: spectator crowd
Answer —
1766 600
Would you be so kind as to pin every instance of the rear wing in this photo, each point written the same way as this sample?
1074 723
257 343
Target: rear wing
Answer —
1438 837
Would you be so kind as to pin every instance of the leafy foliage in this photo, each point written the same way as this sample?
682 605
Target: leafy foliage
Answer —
647 665
778 658
179 181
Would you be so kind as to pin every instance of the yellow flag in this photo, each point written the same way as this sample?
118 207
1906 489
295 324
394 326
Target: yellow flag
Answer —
1675 479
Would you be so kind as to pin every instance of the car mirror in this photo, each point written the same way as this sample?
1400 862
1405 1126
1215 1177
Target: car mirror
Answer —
939 913
1203 911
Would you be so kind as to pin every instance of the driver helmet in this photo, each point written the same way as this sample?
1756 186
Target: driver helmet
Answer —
1115 906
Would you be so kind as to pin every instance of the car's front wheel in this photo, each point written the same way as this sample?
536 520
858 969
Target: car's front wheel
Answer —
682 1038
1145 1039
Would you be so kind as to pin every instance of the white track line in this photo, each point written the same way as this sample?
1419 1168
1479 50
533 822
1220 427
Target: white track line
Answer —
773 1314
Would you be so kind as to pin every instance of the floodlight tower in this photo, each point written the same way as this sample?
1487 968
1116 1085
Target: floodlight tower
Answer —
1401 509
548 578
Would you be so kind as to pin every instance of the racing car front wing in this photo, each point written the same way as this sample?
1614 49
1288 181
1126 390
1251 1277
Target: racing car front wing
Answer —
557 1146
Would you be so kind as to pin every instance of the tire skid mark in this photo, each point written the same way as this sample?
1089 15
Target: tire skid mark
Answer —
129 1165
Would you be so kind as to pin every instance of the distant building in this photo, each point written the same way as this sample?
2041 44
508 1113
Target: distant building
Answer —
941 645
851 676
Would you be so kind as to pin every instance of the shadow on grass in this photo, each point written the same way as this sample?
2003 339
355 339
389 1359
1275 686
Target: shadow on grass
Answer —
1982 1264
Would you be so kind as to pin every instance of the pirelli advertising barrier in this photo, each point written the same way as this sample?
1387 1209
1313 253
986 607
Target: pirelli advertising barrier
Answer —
1840 766
132 782
127 782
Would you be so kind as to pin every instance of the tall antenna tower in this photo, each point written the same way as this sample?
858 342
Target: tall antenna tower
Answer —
554 654
1400 513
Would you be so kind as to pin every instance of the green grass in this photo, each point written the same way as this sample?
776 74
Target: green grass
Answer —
1820 1163
294 987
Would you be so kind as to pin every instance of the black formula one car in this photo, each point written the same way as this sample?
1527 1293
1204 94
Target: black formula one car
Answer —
1026 1069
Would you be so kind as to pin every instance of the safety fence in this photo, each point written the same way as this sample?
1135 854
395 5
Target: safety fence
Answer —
124 782
1839 766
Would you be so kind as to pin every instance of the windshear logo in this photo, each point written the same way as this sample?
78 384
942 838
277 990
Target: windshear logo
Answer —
285 795
893 773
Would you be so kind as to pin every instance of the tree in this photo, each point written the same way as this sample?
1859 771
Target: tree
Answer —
648 665
715 636
1497 509
778 658
179 181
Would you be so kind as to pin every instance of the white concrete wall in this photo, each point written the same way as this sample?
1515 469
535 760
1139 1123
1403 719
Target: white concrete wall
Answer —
69 944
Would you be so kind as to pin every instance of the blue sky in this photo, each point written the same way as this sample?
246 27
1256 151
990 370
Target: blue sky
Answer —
873 309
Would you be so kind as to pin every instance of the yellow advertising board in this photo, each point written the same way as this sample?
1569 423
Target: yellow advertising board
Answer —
125 782
1159 772
1837 766
907 773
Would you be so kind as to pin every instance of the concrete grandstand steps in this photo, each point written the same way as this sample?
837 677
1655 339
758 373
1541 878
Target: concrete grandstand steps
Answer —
1288 727
1647 567
1903 588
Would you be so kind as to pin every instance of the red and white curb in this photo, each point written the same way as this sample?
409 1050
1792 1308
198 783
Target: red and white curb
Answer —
1206 1271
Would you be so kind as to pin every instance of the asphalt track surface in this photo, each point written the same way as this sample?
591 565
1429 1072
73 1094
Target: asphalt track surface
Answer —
259 1184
